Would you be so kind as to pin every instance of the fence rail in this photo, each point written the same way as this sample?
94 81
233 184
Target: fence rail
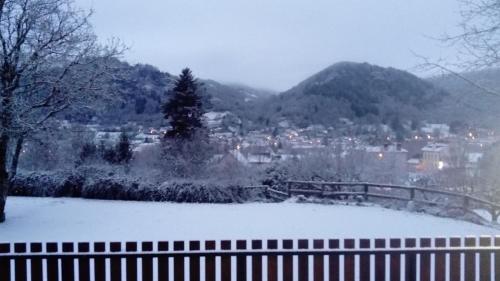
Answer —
319 260
375 190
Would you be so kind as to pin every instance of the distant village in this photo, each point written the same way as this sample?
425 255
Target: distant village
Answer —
430 150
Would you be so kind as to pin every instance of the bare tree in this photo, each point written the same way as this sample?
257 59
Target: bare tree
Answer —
50 61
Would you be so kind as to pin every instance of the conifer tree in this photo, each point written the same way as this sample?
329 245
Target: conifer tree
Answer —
184 110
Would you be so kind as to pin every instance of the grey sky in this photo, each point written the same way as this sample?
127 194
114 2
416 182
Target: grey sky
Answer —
273 43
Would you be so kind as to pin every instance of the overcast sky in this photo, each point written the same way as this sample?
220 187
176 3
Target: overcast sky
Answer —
273 44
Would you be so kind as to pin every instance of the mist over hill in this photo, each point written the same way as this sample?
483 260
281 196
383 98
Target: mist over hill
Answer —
474 97
140 90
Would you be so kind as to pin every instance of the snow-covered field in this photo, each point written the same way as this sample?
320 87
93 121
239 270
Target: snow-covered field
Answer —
49 219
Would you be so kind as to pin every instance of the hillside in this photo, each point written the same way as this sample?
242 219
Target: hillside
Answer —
140 90
468 102
359 91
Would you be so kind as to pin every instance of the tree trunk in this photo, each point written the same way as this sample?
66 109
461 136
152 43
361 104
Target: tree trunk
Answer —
4 175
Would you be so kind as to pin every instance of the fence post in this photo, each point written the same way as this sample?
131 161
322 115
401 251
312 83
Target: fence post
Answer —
411 260
241 261
163 261
4 262
36 263
288 261
412 194
395 260
303 244
179 261
485 259
366 190
83 262
425 260
131 262
349 261
364 260
470 260
53 263
380 261
289 188
225 261
116 262
194 261
497 259
210 262
455 265
440 260
147 262
272 261
99 262
319 261
334 261
67 263
257 261
20 264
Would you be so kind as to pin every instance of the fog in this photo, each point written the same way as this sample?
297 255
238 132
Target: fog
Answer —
274 44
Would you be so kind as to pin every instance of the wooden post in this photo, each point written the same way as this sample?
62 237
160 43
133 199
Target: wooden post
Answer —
20 264
303 261
36 263
53 263
470 260
319 264
210 262
366 190
440 260
225 261
412 194
455 264
257 261
364 260
131 262
163 266
83 262
4 262
241 261
147 262
497 259
288 261
272 261
289 189
411 260
179 261
485 259
380 261
116 262
194 262
349 261
334 261
99 262
425 260
395 260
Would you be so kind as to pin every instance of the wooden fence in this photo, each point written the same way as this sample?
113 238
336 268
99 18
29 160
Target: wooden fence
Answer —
348 259
387 191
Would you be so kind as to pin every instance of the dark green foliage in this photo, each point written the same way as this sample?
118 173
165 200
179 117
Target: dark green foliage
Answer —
184 110
88 151
361 92
123 150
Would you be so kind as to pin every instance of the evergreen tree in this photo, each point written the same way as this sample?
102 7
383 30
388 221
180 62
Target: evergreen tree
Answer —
123 149
184 110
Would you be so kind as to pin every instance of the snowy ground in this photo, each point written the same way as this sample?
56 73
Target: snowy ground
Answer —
42 219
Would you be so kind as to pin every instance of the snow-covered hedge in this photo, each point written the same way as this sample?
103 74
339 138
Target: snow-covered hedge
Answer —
101 185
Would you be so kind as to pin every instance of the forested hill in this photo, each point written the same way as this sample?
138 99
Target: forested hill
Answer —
359 91
474 97
140 90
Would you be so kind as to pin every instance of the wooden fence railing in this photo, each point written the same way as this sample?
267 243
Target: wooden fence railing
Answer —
374 190
348 259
